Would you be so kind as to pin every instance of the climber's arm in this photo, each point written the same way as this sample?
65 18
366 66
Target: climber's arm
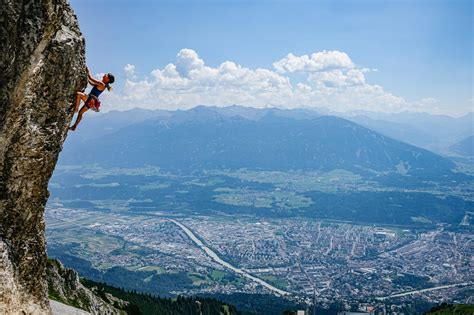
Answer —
91 80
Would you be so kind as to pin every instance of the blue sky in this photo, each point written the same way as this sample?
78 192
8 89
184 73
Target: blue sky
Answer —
403 55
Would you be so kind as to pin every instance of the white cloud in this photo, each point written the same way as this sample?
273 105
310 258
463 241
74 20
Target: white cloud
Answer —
320 61
330 79
339 77
188 63
130 71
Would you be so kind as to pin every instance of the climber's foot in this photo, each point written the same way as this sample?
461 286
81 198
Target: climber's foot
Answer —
72 128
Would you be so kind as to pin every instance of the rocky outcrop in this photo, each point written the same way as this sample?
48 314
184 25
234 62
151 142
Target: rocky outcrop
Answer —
41 66
64 286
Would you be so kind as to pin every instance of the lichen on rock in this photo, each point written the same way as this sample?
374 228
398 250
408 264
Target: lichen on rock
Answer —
42 65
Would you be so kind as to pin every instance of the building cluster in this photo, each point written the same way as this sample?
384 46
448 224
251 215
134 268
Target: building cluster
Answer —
314 260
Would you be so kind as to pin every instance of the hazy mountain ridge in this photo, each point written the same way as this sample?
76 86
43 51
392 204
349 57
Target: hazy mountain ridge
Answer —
105 123
212 138
432 132
464 147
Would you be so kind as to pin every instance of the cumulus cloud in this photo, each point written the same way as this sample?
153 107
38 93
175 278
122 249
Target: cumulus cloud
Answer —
320 61
130 71
330 79
339 77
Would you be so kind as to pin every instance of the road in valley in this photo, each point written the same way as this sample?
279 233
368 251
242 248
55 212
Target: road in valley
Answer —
218 260
426 290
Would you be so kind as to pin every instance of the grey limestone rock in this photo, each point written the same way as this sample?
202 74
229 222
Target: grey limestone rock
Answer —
64 286
42 65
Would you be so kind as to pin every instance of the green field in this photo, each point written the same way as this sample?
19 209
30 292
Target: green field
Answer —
335 195
277 282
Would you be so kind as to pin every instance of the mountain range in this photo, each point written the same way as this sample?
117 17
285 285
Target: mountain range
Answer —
464 147
237 137
433 132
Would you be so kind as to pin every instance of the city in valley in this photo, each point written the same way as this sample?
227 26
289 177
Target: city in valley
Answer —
301 259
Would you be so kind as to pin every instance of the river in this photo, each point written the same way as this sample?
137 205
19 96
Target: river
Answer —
218 260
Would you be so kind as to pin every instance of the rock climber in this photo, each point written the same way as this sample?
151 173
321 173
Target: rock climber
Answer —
91 101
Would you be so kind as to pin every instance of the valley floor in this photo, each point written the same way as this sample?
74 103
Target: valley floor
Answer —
328 261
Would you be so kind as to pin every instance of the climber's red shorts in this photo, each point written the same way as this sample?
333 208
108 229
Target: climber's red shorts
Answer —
93 103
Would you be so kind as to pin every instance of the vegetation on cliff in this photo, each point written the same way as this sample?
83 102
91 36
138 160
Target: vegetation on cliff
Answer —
140 303
448 309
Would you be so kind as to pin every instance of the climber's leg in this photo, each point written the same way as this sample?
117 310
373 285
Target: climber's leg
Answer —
80 96
79 117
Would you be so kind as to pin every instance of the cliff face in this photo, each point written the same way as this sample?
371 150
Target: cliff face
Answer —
64 286
41 66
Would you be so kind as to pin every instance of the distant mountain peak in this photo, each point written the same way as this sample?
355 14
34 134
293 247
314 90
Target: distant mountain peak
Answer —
272 139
